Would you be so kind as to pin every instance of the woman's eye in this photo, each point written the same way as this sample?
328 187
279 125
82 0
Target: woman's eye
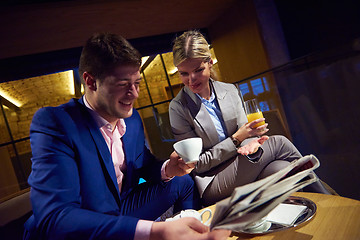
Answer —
199 70
184 74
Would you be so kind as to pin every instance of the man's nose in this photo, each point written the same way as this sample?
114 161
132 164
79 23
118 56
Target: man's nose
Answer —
133 90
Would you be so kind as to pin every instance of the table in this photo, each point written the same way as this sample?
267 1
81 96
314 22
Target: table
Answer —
336 218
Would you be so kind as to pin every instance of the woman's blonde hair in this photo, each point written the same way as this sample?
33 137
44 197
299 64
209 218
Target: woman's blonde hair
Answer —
192 44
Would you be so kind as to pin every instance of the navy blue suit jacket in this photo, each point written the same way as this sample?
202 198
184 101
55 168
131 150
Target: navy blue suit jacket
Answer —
74 192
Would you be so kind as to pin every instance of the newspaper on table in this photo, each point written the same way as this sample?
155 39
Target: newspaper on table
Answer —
252 202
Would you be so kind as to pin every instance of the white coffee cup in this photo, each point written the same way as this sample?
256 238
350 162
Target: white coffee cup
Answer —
193 213
189 149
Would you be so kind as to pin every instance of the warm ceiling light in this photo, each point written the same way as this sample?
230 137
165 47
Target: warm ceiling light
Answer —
173 71
9 98
143 60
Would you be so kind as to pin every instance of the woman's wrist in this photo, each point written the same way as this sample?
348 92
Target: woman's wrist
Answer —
235 141
238 136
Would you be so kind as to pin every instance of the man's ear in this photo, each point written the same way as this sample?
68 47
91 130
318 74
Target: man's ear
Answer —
90 81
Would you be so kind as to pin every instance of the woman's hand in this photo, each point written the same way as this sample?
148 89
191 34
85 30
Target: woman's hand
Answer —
247 130
252 146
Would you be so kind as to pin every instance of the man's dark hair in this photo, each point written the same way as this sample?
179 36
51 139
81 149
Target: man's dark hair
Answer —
105 51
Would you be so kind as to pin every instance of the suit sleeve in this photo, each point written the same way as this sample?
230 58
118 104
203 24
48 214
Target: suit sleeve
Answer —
56 196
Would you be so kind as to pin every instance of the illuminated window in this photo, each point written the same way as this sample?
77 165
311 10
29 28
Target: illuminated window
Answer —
264 106
244 88
257 86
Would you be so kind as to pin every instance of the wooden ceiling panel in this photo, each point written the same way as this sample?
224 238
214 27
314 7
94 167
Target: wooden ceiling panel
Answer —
49 26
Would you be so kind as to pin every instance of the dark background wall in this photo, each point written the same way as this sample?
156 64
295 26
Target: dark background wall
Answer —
320 92
315 25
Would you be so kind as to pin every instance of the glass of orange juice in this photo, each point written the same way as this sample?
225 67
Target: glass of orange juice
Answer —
253 112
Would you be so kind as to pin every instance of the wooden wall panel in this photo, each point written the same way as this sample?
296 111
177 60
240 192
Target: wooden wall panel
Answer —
237 42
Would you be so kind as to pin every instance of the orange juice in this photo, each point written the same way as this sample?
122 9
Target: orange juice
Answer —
253 116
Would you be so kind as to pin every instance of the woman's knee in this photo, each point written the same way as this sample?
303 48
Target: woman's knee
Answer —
273 167
283 148
281 139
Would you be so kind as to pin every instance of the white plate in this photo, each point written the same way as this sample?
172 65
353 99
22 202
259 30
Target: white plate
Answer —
306 216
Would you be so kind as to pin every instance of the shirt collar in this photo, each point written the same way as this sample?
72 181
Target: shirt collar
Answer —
102 122
212 97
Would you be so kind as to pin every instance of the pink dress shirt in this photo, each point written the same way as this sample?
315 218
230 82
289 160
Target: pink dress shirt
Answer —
113 140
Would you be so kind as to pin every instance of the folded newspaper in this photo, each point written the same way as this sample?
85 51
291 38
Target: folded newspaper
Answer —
252 202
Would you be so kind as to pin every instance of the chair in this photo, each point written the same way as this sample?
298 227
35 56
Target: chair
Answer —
14 212
276 123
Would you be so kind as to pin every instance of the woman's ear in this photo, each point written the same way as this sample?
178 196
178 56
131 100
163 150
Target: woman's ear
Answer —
90 81
211 63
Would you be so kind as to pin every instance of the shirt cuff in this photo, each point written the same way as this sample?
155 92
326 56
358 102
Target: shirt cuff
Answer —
163 174
143 230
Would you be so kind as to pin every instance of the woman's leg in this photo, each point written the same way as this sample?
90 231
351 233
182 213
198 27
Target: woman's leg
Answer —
281 153
272 168
285 152
278 151
278 147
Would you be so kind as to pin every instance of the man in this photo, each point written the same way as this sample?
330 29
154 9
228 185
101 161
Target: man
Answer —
89 154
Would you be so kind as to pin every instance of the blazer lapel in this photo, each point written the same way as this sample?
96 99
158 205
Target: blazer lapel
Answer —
102 149
201 117
226 106
129 150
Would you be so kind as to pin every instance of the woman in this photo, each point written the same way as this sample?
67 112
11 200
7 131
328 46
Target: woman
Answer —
214 111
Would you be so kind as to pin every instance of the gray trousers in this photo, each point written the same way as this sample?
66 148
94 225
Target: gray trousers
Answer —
278 153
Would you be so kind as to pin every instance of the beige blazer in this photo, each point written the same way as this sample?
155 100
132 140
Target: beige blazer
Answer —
189 118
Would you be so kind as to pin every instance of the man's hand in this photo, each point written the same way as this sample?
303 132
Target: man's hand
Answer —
177 167
184 229
252 146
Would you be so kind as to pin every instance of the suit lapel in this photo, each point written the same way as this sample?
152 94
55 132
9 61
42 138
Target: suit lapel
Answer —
102 148
201 117
227 108
128 146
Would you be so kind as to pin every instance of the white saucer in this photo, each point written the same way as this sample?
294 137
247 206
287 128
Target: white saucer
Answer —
260 228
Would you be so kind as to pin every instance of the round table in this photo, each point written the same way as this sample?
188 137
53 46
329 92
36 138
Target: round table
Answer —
336 218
